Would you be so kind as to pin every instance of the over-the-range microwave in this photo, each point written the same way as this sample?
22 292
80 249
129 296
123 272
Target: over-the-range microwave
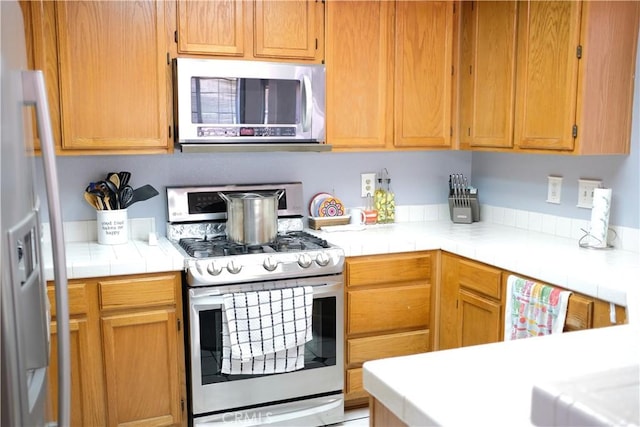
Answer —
235 105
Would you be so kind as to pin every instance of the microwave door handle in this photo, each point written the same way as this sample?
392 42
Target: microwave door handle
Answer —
307 98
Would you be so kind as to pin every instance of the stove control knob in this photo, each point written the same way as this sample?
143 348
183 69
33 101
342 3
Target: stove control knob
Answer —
322 259
270 264
233 267
201 266
304 261
214 268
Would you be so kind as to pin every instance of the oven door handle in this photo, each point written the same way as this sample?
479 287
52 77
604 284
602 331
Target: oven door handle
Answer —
215 298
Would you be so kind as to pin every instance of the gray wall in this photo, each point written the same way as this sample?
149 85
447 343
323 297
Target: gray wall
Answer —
416 177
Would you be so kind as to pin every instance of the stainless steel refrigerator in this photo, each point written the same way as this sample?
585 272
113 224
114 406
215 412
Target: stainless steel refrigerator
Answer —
25 315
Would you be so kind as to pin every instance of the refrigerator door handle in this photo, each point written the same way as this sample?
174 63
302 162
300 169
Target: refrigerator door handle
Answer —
35 93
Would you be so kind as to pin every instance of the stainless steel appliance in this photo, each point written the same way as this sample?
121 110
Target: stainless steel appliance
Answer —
215 267
25 313
229 105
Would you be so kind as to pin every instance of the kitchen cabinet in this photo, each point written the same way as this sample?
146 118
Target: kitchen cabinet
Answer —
40 37
389 74
471 303
547 76
487 73
127 340
87 381
388 312
109 87
268 30
472 299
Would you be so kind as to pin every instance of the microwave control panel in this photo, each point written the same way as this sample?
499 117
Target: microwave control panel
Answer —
222 131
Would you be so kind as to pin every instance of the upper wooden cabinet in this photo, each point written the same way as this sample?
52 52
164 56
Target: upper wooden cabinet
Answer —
114 76
389 74
487 73
107 73
423 74
548 76
262 29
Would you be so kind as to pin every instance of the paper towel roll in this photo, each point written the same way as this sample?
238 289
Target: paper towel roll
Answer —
600 217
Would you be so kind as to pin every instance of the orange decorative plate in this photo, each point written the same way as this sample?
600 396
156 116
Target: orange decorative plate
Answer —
330 207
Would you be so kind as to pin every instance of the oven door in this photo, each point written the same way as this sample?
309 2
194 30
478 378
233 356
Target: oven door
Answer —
212 391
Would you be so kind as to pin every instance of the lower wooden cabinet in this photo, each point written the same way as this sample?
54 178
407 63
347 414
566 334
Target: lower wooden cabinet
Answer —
127 355
472 297
388 312
471 303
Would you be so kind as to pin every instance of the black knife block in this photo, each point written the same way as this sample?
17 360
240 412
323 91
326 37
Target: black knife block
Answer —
465 213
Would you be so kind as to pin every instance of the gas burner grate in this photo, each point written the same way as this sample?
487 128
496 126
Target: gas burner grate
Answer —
293 241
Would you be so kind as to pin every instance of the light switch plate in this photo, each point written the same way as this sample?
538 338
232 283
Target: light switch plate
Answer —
585 192
554 190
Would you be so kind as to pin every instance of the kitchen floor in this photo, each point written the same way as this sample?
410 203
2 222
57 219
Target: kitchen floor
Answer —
355 418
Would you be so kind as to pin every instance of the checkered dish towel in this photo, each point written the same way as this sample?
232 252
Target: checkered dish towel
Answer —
264 332
533 309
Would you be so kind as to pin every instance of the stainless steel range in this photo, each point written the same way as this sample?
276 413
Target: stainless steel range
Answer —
217 271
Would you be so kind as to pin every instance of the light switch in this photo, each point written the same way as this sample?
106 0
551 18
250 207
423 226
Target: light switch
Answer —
554 189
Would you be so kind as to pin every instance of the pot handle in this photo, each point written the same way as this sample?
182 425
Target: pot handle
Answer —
224 196
280 193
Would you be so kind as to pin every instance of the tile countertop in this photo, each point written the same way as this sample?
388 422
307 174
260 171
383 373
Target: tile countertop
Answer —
605 274
493 384
90 259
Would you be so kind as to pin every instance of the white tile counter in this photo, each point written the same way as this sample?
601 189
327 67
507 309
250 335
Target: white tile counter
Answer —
86 258
605 274
492 384
90 259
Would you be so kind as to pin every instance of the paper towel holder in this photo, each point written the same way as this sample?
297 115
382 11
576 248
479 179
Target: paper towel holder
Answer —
584 240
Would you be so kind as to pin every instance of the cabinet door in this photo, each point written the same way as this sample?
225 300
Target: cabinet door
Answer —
547 76
86 404
470 303
423 73
87 385
213 27
487 73
479 319
359 74
141 358
40 28
114 76
288 29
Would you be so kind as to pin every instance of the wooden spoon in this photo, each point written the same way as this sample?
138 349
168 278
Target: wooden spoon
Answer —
93 201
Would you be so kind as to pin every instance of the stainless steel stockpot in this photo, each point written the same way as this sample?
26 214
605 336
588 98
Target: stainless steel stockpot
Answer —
252 218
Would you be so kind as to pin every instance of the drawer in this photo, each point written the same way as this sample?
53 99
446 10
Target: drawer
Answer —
359 350
481 278
384 309
78 298
372 270
137 292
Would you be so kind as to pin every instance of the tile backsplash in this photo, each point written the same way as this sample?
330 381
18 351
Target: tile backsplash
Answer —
624 238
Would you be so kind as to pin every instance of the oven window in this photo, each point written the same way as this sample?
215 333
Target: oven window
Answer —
232 101
319 352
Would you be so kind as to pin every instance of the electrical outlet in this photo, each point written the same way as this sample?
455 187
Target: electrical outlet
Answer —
585 192
554 190
367 184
